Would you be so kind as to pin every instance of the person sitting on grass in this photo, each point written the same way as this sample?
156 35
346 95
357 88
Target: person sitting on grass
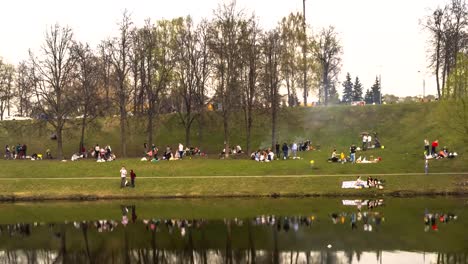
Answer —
271 155
333 157
360 183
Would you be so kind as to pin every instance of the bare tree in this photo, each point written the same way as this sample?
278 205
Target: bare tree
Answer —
7 72
328 52
53 75
86 82
119 51
251 53
23 91
189 56
290 32
225 48
271 47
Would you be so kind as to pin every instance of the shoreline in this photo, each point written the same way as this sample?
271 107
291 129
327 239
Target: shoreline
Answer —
80 197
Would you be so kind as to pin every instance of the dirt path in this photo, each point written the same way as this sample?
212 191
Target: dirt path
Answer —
229 177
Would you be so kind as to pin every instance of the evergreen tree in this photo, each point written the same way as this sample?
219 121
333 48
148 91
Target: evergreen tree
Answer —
357 92
347 89
369 98
376 91
334 98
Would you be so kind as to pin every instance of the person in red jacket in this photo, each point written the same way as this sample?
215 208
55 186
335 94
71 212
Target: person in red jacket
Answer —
435 144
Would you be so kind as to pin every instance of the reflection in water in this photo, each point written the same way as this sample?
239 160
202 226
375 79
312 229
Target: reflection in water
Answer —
317 237
214 256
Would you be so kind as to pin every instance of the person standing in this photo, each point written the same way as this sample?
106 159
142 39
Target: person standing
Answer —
96 151
435 144
123 177
285 150
294 150
352 151
277 148
181 150
132 178
364 142
426 147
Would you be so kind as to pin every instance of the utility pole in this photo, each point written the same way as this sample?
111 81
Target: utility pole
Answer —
304 51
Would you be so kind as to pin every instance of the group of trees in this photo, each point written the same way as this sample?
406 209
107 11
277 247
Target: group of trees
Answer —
175 65
448 58
354 91
448 52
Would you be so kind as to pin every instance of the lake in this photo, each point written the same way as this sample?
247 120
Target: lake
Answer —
305 230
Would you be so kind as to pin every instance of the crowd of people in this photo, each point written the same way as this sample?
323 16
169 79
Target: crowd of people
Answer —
369 219
101 154
430 151
431 219
153 154
16 152
284 151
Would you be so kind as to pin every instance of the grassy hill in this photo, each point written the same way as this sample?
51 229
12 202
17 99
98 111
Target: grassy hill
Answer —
401 128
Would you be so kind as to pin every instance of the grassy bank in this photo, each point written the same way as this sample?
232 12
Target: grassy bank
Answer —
401 130
72 186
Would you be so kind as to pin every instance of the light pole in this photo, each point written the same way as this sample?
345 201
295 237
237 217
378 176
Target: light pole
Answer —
423 84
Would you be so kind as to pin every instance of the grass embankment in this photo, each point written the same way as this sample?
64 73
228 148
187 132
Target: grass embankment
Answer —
206 178
401 129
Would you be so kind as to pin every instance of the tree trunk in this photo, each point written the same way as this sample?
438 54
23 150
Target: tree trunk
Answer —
274 114
149 129
187 134
123 136
438 65
226 133
58 132
83 127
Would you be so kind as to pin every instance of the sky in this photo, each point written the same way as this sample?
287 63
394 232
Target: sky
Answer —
379 37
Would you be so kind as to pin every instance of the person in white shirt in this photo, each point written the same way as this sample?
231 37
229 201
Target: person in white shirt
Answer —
181 150
123 177
369 141
294 150
364 142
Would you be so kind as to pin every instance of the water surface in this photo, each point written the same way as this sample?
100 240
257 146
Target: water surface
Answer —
308 230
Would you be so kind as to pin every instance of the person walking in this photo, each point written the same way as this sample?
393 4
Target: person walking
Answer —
123 177
132 178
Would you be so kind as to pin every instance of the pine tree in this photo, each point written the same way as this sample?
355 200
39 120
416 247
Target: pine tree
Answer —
376 91
347 89
357 92
333 96
369 98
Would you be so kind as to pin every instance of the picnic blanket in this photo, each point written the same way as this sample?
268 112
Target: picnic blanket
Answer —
352 185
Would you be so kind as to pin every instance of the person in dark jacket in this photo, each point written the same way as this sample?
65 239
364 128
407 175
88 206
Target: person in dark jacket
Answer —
132 178
285 150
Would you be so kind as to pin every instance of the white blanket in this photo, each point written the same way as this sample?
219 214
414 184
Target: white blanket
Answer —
352 185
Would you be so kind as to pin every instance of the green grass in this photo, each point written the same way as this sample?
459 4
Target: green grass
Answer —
401 130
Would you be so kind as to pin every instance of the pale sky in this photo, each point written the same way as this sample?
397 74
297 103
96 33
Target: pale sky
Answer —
378 36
